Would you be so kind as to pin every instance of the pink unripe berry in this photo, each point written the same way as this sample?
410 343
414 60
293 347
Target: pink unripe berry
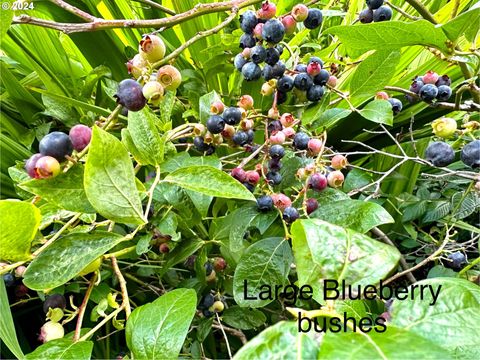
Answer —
20 270
257 31
277 138
381 95
301 174
217 107
239 174
47 167
136 66
259 168
335 179
287 119
30 166
339 162
246 124
164 248
289 132
245 102
332 81
314 68
252 177
267 11
289 23
300 12
246 53
315 146
281 201
219 264
311 204
273 113
318 182
228 131
430 77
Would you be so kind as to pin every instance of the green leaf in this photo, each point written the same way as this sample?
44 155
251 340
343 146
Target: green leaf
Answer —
65 190
145 136
393 344
110 181
183 159
466 23
329 118
373 74
389 35
63 349
158 329
452 322
7 327
205 102
209 181
66 257
267 262
278 342
19 222
325 251
6 17
346 213
379 111
182 251
242 318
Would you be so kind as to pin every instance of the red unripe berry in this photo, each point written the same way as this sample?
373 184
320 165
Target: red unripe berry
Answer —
315 146
164 248
20 270
287 119
281 201
20 291
335 179
289 23
318 182
257 31
289 132
339 162
300 12
219 264
239 174
277 138
430 77
267 11
311 204
314 68
30 166
47 167
217 107
332 81
245 102
246 53
80 135
252 177
381 95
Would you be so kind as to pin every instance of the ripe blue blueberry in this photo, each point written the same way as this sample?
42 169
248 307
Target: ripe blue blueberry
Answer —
444 92
54 301
251 71
278 69
281 97
315 93
250 187
290 214
274 165
272 56
374 4
215 124
396 105
273 31
443 80
239 61
232 115
383 13
303 81
250 135
199 144
208 269
267 72
274 126
366 16
248 20
264 203
428 92
240 138
416 86
274 178
56 144
470 154
314 19
130 95
315 59
321 78
247 41
276 152
455 260
279 48
440 154
207 300
285 83
301 68
300 141
258 54
9 280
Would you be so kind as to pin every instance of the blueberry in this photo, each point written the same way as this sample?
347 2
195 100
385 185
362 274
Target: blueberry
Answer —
311 205
251 71
274 165
315 93
130 95
303 81
80 135
272 56
314 19
57 145
239 61
240 138
276 152
470 154
290 214
300 141
281 97
318 182
207 313
428 92
285 83
273 31
444 92
396 105
247 41
215 124
301 68
232 115
315 59
274 126
416 86
199 144
207 300
250 187
455 260
440 154
279 48
9 280
321 78
383 13
273 178
54 301
248 20
443 80
258 54
250 135
278 69
366 16
374 4
264 203
267 72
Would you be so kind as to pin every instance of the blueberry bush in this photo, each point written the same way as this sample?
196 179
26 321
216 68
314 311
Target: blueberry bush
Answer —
184 179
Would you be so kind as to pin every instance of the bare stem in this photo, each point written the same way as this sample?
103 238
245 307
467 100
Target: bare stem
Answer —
83 307
123 286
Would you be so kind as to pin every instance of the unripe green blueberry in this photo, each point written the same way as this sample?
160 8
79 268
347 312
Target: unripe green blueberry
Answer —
153 92
47 167
267 89
444 127
136 66
152 48
217 306
51 331
92 267
169 77
228 131
335 179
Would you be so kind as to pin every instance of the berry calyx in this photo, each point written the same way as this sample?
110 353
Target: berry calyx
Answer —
299 12
217 107
152 48
339 162
335 179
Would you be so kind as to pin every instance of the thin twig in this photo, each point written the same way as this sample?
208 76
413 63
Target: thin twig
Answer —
400 10
74 10
57 234
234 332
224 335
83 307
123 286
158 6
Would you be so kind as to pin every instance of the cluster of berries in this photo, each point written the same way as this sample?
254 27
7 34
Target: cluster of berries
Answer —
375 11
131 94
52 329
55 148
430 87
440 153
14 280
396 104
211 304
